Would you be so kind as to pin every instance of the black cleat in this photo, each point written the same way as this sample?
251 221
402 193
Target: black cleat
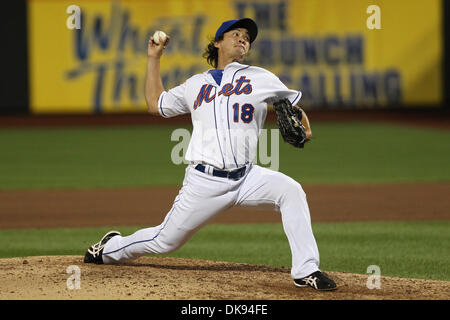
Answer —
316 280
94 252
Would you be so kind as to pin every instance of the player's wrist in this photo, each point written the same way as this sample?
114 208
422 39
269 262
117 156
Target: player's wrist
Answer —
154 56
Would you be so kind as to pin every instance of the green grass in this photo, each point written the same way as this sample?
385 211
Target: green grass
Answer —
107 157
87 157
403 249
363 152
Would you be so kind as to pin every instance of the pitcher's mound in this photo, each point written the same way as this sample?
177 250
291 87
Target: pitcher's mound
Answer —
156 278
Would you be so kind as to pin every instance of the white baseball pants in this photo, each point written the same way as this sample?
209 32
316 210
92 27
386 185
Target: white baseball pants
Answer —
203 196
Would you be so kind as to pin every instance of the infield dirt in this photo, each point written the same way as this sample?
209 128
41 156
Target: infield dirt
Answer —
156 278
148 206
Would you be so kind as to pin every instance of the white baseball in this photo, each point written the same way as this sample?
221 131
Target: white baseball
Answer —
159 37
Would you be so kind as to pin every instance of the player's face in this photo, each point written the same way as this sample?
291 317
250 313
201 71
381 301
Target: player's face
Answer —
235 44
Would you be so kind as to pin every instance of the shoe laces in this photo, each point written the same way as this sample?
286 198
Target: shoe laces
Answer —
312 281
96 249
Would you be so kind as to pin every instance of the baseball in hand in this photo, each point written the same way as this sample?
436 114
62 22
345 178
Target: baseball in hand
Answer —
159 37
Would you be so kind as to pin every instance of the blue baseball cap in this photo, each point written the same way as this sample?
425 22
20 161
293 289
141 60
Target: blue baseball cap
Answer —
245 23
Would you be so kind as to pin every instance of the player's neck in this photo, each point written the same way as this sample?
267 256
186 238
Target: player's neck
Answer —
223 62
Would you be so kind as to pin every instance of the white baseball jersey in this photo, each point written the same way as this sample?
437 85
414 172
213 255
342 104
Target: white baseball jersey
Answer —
227 117
227 120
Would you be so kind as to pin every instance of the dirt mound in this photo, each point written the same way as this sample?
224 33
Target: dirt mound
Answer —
158 278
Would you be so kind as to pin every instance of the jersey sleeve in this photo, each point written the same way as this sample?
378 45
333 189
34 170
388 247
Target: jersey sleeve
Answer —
173 102
276 90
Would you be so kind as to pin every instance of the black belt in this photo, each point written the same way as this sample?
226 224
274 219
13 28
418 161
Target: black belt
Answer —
233 175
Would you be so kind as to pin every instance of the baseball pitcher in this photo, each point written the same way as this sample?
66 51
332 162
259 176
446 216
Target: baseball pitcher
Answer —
228 107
